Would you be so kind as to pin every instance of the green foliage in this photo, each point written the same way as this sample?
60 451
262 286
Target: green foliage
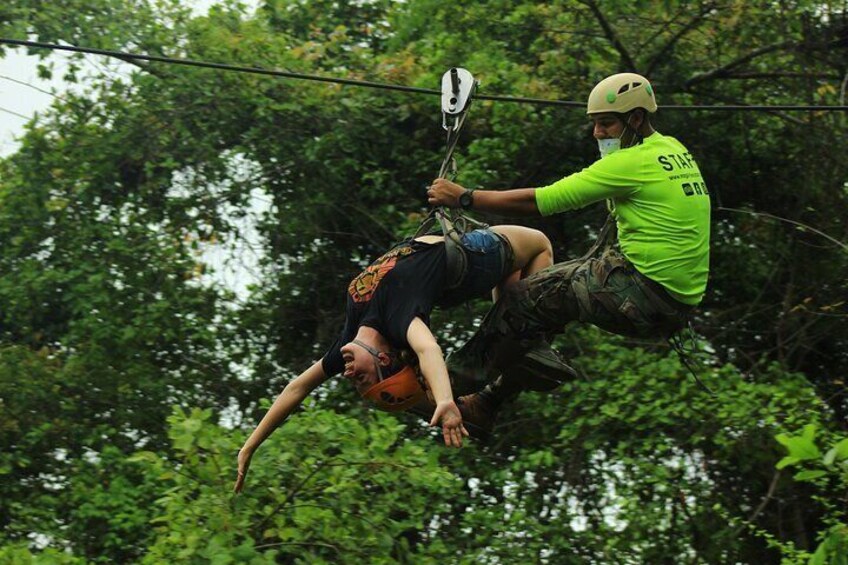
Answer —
329 489
830 474
20 554
640 461
111 312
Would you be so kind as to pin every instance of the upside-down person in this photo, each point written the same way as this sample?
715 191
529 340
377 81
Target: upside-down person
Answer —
388 312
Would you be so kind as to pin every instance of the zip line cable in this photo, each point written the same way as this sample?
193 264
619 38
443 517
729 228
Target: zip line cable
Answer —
218 66
384 86
369 84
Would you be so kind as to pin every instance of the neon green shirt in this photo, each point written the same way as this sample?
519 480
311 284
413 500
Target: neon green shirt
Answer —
661 208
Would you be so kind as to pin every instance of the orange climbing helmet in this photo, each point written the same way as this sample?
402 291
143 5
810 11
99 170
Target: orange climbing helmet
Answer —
399 392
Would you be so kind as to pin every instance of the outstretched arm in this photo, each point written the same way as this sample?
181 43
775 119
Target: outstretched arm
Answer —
517 202
435 371
289 399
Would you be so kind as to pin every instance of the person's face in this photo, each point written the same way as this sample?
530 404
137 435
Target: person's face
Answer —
607 126
361 365
611 126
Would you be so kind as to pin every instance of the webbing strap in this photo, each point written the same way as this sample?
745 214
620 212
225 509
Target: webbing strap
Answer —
453 223
427 225
454 253
457 262
606 238
452 228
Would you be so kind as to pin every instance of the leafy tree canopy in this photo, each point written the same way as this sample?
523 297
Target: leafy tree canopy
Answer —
130 373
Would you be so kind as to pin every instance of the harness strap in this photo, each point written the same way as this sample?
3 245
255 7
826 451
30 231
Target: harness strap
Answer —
452 228
427 225
676 343
457 262
657 295
606 238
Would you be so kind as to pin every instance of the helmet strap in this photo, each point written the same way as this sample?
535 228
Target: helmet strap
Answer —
637 137
375 353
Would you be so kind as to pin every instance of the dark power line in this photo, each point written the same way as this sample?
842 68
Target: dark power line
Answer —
369 84
13 113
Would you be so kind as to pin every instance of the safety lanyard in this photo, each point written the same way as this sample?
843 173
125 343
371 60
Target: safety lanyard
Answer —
458 87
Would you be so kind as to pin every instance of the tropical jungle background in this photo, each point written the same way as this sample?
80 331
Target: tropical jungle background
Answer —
175 243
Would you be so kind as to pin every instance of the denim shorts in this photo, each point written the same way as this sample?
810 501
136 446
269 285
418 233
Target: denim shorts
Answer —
489 259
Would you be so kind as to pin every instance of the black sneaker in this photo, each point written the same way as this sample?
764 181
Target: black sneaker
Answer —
541 369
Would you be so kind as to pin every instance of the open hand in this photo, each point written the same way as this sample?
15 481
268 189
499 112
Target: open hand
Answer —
452 427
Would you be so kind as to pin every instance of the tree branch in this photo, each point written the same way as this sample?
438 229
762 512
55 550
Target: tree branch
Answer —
724 70
762 504
783 74
695 22
626 59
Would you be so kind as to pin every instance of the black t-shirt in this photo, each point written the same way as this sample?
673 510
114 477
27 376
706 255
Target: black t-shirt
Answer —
404 283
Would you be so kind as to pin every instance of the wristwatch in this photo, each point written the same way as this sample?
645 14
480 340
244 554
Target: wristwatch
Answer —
466 199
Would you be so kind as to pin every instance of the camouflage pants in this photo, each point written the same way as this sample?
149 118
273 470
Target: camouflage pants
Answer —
606 291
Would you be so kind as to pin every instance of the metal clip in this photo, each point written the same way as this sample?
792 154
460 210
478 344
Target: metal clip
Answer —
457 87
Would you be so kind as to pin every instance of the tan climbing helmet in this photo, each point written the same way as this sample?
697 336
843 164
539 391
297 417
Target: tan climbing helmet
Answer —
621 93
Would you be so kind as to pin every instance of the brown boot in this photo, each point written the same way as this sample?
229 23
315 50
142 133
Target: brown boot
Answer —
478 413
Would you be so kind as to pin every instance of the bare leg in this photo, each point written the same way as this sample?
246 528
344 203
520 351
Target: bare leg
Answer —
533 252
476 362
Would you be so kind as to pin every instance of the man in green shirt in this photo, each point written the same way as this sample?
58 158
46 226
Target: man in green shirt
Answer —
644 285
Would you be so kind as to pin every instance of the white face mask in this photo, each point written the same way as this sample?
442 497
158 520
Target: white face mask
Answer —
608 146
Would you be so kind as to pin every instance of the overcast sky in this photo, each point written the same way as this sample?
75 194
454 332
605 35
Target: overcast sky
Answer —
22 94
18 102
